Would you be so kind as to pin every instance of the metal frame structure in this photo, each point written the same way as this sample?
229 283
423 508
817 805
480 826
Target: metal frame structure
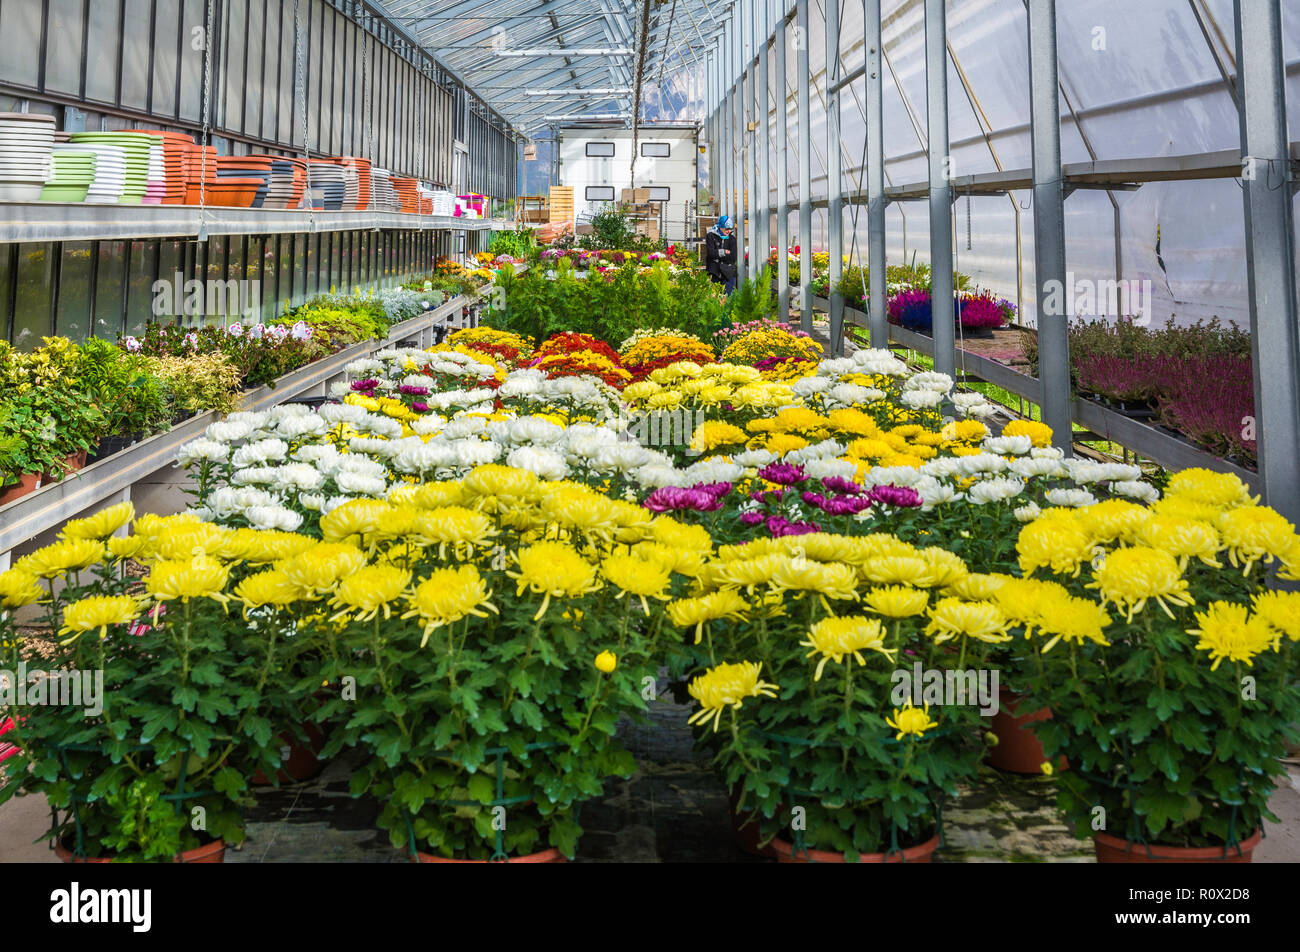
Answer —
1257 82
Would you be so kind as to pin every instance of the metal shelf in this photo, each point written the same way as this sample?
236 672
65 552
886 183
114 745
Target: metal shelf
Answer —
50 506
56 221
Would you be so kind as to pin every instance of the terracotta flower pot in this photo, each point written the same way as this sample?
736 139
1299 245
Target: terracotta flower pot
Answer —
214 852
1112 849
921 853
1017 749
302 763
545 856
27 483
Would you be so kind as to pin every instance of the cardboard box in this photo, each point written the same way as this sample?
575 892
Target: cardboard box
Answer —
641 195
626 197
584 230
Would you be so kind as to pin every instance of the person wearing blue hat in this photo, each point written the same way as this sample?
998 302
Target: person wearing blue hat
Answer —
720 253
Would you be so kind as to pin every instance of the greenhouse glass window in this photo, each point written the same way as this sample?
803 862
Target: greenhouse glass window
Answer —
656 150
600 150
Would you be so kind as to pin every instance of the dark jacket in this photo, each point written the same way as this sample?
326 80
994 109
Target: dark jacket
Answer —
720 266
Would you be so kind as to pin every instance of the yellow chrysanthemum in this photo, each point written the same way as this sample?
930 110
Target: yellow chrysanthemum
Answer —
952 618
352 520
1220 490
1113 520
897 601
976 586
1130 576
320 568
911 720
271 587
369 591
1040 434
197 577
1281 612
694 612
1254 533
18 587
638 577
837 636
727 685
1056 544
1184 539
1075 620
553 569
447 596
1228 632
66 555
102 524
126 547
493 488
455 526
97 612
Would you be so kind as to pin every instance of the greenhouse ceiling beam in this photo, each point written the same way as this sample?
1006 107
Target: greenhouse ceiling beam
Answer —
782 176
1270 253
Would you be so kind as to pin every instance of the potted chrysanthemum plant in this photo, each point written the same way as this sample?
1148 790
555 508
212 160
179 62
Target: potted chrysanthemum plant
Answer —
142 707
845 680
1168 664
490 666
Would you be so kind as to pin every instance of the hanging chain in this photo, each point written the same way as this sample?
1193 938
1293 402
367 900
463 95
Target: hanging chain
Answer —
207 114
368 141
968 225
300 93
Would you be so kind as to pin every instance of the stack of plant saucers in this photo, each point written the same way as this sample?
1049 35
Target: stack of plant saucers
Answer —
155 187
136 152
74 171
175 157
245 168
362 167
288 180
325 182
408 193
26 155
383 196
110 169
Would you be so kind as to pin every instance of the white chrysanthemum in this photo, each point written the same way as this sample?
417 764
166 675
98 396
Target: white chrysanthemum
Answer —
807 386
892 476
336 413
1028 513
358 466
921 399
853 395
285 411
964 399
1008 445
931 380
815 451
364 368
658 475
545 462
981 411
473 452
301 426
942 467
754 459
1047 452
713 471
273 517
429 424
981 463
1073 498
535 430
231 501
416 456
373 446
340 389
624 457
314 502
263 451
879 362
255 476
214 451
1135 489
837 367
360 484
380 425
995 490
826 467
299 477
1030 468
333 503
318 454
934 493
227 431
253 419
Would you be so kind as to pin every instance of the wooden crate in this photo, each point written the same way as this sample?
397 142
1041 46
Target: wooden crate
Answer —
561 203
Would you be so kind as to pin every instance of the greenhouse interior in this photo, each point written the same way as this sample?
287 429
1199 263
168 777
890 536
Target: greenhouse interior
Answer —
451 432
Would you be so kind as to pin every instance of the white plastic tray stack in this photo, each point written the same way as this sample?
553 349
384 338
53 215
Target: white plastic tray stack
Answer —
26 155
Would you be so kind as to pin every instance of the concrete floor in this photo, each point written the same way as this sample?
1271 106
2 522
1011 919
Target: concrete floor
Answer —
672 810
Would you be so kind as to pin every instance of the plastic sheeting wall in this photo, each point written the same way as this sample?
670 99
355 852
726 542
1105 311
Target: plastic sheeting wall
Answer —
1139 80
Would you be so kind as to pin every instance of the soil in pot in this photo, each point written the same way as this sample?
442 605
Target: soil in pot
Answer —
214 852
1112 849
1017 749
921 853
